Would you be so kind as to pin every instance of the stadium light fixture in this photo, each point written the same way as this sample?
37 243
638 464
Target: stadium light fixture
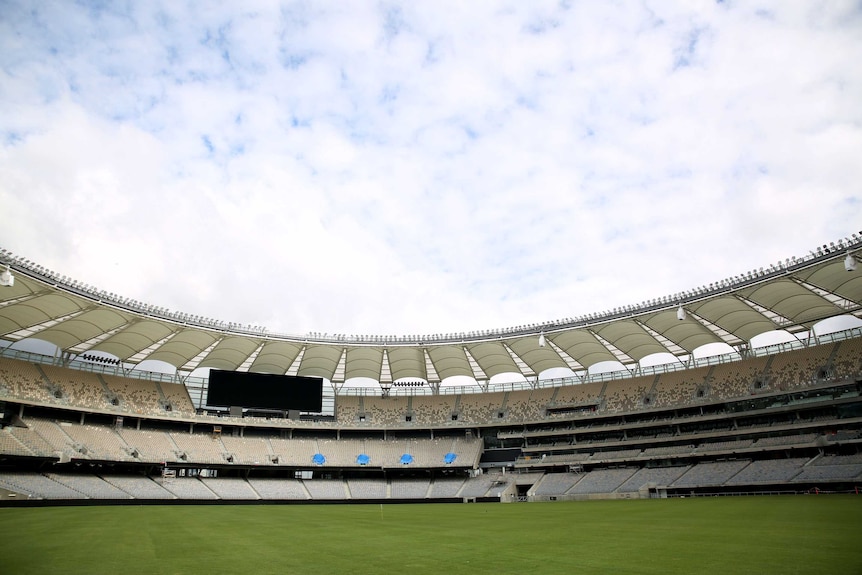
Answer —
680 313
541 339
850 262
6 277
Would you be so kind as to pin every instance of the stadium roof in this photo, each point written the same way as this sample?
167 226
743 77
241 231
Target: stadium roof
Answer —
792 295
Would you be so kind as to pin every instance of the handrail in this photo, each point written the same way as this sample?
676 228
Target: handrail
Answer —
578 378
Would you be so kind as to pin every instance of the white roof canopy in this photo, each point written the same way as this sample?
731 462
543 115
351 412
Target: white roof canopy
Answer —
791 296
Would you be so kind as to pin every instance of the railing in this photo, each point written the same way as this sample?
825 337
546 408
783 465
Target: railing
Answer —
578 378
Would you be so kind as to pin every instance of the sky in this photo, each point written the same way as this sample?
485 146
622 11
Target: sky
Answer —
424 167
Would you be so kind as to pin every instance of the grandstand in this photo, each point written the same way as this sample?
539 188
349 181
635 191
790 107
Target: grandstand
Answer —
780 417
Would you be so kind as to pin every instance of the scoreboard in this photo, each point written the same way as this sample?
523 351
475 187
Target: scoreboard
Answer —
264 391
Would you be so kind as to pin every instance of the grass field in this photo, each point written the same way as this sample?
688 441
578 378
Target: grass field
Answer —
757 535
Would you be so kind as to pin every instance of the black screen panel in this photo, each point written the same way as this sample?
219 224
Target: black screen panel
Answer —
264 391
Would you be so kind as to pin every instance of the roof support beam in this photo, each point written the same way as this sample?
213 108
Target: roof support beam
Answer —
194 362
431 375
621 356
385 369
246 365
24 298
145 353
779 320
670 346
843 303
340 369
720 333
32 330
478 373
570 362
94 341
297 361
525 369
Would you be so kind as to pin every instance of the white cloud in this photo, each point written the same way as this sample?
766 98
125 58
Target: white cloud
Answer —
424 167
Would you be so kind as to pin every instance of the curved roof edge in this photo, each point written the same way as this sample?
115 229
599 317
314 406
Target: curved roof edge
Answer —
792 296
821 253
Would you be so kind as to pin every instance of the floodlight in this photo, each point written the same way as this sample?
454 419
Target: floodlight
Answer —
541 340
680 313
6 277
850 262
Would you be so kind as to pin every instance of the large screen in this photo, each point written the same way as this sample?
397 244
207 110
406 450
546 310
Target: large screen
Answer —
264 391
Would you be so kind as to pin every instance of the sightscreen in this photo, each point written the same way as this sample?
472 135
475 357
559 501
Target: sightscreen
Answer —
264 391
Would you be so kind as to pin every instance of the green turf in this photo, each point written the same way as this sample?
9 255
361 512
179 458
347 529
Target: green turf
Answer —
762 535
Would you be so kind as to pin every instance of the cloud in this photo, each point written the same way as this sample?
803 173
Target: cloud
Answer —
424 167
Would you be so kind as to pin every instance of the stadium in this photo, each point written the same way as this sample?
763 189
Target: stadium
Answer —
422 288
104 467
82 423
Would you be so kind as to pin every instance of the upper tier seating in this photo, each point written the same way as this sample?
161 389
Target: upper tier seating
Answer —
736 379
479 407
177 397
23 380
528 405
432 408
348 408
579 394
386 411
136 395
80 388
847 362
46 384
681 387
797 368
627 394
